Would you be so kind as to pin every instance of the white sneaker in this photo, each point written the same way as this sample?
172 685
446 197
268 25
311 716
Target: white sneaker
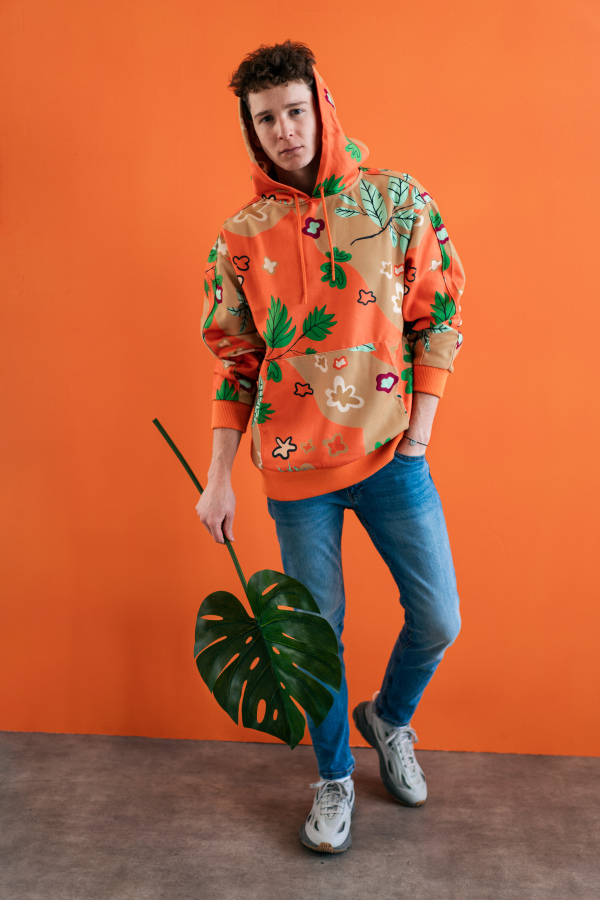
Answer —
327 827
401 773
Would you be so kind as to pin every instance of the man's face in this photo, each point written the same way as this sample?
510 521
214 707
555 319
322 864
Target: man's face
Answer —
288 126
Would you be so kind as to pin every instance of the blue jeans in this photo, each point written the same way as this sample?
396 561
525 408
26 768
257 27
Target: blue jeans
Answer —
400 508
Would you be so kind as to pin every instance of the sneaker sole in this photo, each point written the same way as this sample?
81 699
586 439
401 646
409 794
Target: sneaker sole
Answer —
324 846
365 729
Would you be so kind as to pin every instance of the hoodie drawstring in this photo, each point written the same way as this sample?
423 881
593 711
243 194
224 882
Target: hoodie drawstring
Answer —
321 191
302 261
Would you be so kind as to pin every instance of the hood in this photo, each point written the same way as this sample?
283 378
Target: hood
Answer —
341 156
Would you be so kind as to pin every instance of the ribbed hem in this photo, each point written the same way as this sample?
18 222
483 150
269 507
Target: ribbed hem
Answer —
230 414
429 380
313 482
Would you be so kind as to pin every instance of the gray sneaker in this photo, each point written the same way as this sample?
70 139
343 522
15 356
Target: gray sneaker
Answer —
327 828
401 773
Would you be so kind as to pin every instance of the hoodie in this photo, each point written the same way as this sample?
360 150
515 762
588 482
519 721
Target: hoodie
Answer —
326 312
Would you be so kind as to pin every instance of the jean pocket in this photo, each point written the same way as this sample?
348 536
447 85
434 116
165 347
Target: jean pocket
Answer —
411 459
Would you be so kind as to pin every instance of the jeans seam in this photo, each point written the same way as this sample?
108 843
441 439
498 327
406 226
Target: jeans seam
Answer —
409 632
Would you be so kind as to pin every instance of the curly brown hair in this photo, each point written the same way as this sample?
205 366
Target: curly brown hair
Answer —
272 65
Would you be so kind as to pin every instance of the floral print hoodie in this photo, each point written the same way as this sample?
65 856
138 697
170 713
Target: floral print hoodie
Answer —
325 314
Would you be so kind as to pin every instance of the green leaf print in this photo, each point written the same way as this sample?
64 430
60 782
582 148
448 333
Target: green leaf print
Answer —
373 202
440 230
227 391
210 316
404 242
407 374
405 217
212 256
397 190
443 309
264 412
274 372
242 311
417 200
393 235
353 149
318 324
330 186
338 278
279 331
310 350
344 213
260 387
206 286
349 200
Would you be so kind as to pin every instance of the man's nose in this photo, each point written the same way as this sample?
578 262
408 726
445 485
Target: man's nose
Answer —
284 129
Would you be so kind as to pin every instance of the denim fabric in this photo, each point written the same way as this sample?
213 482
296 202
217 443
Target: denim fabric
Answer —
400 508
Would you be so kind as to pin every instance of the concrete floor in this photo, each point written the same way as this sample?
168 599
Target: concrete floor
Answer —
142 819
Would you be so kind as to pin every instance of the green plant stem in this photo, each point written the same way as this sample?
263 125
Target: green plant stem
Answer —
187 468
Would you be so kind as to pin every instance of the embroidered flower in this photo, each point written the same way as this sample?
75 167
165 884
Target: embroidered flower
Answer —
340 362
365 297
386 269
219 293
386 382
303 390
397 298
270 265
342 397
335 445
284 448
313 227
242 263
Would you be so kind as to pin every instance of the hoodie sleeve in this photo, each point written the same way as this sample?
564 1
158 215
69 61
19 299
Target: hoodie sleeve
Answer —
229 332
434 281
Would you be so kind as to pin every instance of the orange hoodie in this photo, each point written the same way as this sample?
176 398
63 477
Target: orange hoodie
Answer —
326 312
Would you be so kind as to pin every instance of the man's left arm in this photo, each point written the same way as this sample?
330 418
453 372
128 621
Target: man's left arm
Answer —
434 281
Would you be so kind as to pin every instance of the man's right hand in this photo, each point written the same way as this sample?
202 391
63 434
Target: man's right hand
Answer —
216 506
216 509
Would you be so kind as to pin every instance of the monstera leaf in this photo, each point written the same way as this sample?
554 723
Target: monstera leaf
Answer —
273 662
278 655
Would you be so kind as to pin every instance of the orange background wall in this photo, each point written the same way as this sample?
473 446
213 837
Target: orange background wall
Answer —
121 158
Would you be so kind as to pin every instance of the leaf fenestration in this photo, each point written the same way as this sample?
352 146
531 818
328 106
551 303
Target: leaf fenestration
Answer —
307 658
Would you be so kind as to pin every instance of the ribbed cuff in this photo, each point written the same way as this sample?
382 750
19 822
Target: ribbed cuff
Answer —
429 380
230 414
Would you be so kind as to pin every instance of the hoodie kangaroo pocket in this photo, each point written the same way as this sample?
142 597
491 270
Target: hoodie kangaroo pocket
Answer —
327 409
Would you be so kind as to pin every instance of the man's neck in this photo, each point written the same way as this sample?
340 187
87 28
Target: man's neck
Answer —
303 179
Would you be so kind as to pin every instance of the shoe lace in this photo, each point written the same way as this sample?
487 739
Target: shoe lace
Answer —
332 796
401 740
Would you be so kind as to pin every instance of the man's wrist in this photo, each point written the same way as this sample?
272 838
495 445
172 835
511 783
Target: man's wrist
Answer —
422 440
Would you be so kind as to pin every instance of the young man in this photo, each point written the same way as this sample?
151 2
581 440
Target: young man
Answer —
332 307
